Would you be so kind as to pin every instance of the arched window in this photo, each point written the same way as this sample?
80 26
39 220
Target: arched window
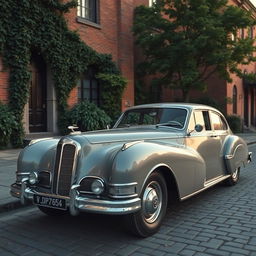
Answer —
234 99
88 87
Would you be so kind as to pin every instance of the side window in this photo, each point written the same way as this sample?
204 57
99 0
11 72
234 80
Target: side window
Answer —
202 118
224 123
218 122
192 123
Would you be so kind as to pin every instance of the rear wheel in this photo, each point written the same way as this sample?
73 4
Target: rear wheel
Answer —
234 178
148 220
52 212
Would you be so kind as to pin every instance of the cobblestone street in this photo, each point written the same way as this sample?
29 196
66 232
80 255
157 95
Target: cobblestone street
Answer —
219 221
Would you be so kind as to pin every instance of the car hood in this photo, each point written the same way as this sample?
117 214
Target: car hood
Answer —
129 134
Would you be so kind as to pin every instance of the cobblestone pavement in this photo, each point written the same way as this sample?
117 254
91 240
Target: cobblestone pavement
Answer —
220 221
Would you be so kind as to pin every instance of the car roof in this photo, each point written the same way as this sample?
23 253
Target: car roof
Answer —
174 104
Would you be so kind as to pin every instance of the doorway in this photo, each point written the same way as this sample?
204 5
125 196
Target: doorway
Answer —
37 98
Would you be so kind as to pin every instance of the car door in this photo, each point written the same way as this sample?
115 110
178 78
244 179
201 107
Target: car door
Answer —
207 143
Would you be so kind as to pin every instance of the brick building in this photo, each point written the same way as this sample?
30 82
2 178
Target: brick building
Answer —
103 25
106 27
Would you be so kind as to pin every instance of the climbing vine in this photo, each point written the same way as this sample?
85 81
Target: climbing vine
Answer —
38 26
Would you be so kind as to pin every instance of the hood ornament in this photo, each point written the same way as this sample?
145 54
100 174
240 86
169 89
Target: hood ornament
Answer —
72 129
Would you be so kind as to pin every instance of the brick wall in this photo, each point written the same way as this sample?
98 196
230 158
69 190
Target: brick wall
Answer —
4 76
112 36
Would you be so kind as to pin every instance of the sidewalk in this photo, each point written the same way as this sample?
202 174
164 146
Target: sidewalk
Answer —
8 161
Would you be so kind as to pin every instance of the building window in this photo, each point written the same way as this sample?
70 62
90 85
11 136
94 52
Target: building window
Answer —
88 88
88 9
234 100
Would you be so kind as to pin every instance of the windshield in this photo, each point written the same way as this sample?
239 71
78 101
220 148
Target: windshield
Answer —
174 117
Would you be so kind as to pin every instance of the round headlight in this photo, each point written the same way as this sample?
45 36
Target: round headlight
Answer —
97 187
33 178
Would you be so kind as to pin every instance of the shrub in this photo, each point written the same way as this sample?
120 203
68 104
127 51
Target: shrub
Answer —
87 116
235 123
7 124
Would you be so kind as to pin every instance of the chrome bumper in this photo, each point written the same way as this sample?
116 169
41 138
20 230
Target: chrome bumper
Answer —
79 203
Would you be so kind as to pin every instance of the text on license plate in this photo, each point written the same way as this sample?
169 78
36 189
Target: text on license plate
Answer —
47 201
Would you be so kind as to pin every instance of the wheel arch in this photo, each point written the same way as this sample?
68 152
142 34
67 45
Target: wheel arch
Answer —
169 177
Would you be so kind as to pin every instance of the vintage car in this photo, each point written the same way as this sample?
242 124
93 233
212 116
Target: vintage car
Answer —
152 152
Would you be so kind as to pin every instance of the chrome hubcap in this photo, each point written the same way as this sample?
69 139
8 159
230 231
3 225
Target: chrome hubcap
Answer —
235 174
152 202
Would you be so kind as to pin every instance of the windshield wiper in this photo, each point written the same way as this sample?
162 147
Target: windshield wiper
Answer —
171 123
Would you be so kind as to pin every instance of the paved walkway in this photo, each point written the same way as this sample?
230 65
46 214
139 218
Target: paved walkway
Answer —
8 160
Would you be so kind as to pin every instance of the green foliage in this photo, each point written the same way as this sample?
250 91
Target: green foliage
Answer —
209 102
87 116
112 93
249 78
38 26
7 122
235 123
185 42
140 94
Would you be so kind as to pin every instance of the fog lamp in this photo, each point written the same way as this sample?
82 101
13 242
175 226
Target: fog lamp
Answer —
33 178
97 187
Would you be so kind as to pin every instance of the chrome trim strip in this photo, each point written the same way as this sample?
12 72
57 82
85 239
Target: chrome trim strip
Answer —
22 173
58 174
91 177
130 144
123 184
123 197
210 184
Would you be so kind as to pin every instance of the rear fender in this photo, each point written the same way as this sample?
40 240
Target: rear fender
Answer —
235 153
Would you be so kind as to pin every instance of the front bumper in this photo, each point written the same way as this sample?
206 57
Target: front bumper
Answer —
80 203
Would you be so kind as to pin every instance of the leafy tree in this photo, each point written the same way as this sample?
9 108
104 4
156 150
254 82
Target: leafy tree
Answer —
187 41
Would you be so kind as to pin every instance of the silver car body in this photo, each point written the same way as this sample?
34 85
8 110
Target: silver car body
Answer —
120 160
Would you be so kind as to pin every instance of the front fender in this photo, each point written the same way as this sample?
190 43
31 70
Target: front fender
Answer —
235 153
135 164
37 156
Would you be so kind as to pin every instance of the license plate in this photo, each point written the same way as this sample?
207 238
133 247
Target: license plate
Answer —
52 202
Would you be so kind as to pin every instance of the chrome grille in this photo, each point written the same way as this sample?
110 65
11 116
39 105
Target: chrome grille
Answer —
63 170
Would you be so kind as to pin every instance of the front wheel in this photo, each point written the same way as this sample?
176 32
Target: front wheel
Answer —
234 178
148 220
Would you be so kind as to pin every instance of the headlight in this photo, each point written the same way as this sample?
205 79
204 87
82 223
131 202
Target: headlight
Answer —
33 178
97 187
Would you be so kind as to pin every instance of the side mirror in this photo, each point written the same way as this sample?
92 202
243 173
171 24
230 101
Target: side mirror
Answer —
199 128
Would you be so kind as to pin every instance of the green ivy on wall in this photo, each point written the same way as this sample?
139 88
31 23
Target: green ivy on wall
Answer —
28 26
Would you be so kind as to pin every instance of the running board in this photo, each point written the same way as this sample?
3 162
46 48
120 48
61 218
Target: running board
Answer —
207 185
